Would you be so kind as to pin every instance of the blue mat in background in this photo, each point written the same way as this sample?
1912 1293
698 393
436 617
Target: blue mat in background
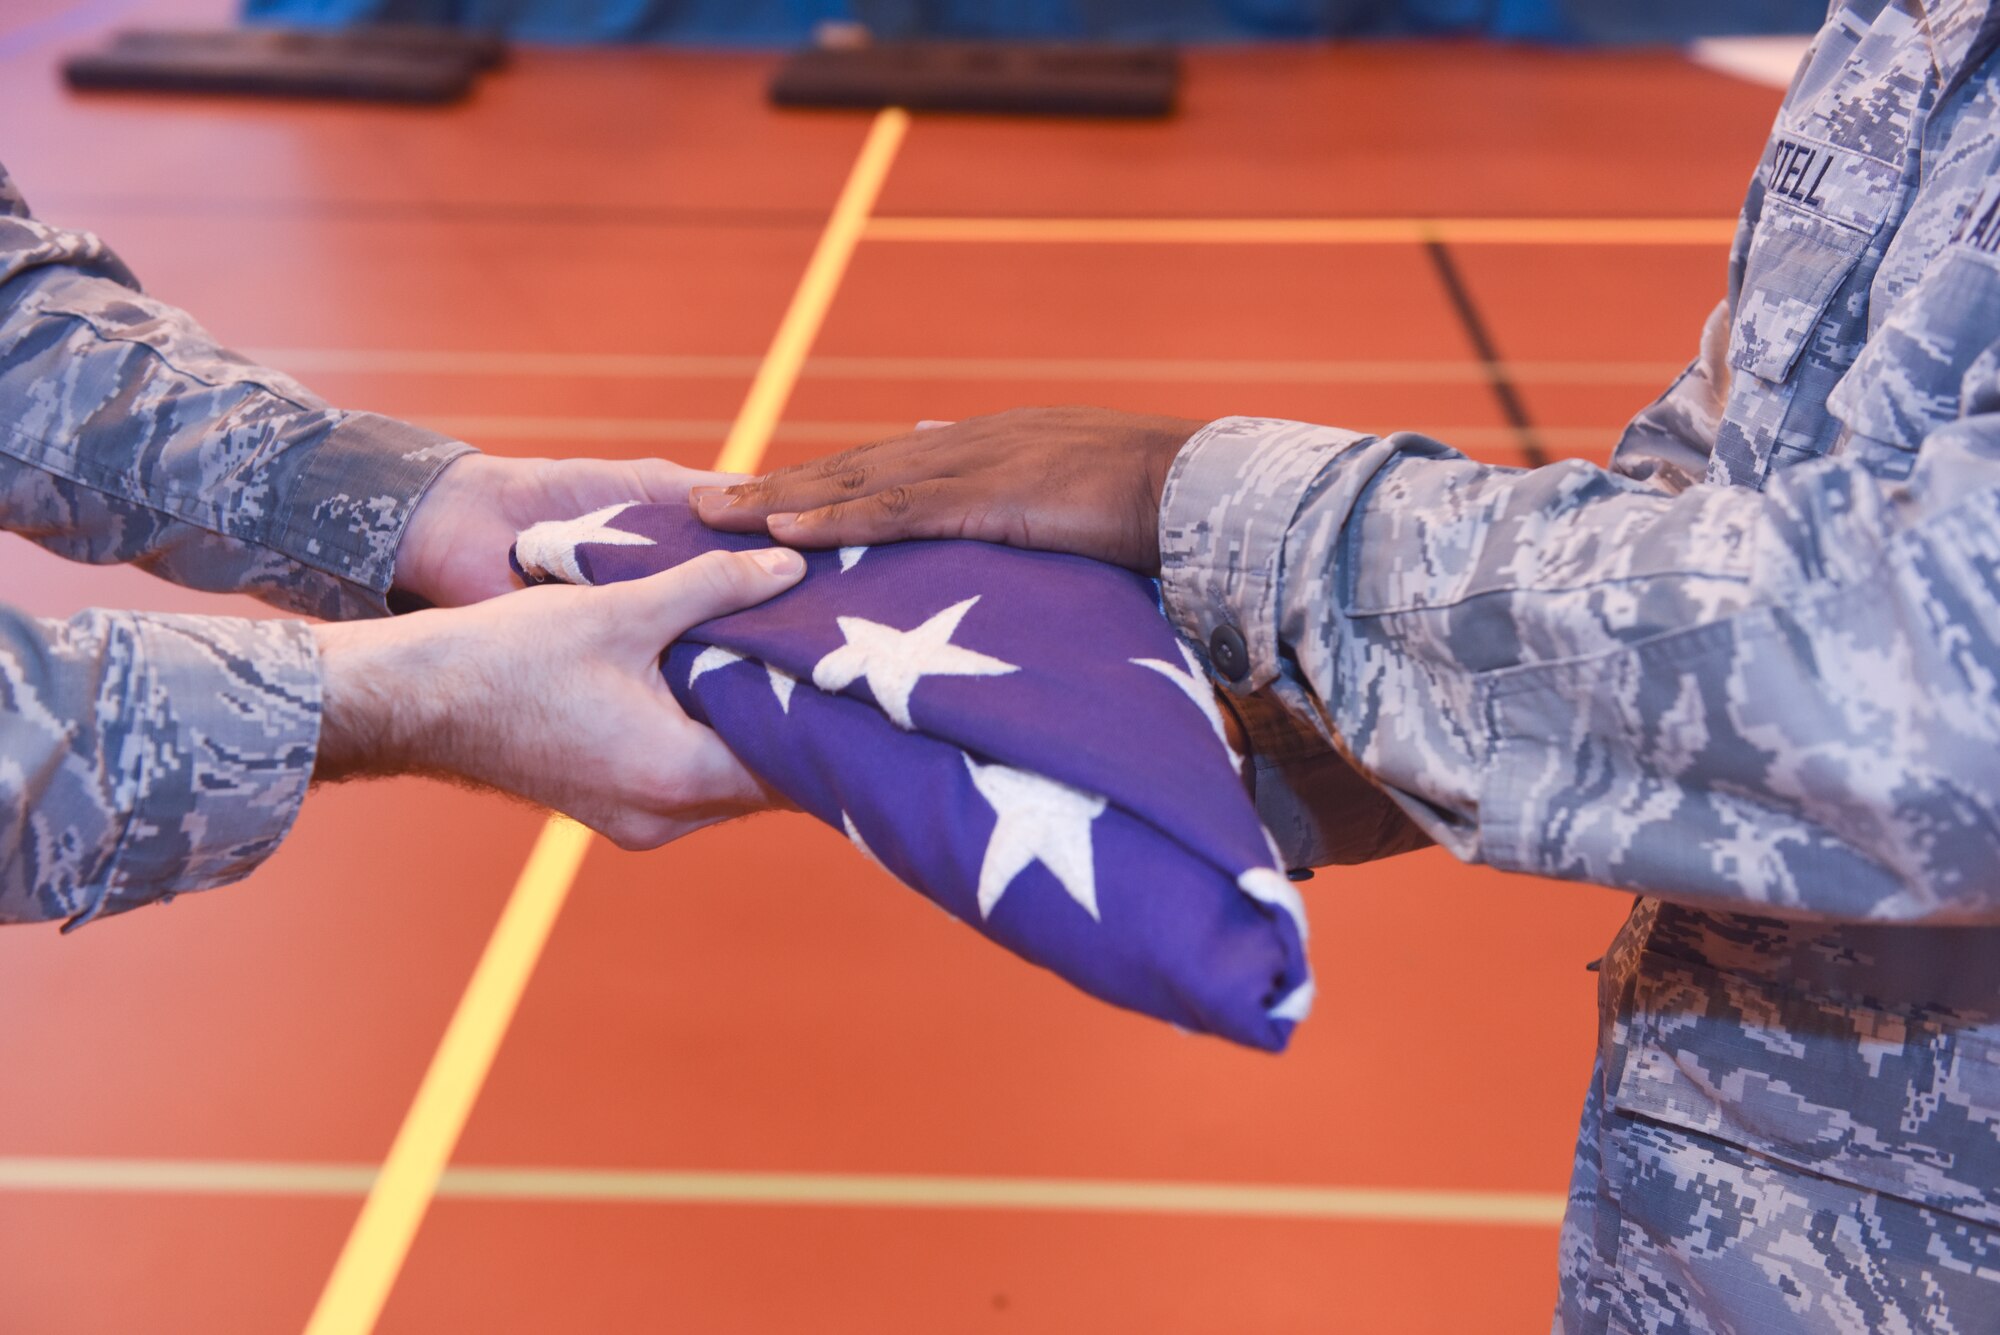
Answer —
791 22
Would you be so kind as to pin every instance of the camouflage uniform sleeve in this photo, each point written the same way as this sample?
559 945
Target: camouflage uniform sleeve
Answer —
1786 699
128 435
142 754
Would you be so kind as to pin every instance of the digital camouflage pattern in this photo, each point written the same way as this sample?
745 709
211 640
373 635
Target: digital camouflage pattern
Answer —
1752 671
145 754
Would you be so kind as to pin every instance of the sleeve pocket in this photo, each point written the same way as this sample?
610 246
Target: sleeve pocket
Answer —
1796 263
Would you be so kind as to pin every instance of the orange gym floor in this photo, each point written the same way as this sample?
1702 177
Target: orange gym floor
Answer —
751 1085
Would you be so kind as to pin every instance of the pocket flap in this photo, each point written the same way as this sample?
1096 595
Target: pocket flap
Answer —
1906 1106
1796 263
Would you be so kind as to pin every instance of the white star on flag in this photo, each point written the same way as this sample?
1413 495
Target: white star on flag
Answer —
1270 885
854 837
893 661
549 549
1194 684
782 684
850 557
1042 821
1296 1006
708 660
715 656
1267 885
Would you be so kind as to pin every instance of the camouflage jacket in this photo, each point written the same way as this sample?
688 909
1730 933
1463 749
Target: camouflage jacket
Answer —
142 754
1752 671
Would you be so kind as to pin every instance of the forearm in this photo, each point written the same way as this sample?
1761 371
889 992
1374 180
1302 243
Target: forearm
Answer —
127 434
142 755
551 694
1568 672
403 697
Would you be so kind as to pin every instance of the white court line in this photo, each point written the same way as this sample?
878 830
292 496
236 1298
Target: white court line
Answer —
901 1191
414 361
664 429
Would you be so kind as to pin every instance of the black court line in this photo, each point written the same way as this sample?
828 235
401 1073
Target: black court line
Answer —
1504 392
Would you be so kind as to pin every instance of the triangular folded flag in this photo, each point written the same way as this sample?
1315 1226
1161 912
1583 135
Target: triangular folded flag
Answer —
1019 736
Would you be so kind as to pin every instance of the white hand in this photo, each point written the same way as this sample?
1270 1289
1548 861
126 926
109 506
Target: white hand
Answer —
454 551
553 694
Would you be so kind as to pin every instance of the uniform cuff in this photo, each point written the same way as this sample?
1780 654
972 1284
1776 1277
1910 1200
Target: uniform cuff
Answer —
1230 499
346 510
1319 809
220 720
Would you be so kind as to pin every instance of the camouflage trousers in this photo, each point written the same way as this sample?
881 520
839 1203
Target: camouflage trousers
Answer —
1674 1233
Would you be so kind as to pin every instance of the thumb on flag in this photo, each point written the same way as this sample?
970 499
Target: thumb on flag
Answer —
659 609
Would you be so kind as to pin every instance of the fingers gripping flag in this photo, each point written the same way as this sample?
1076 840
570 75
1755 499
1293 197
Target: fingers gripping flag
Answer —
1019 736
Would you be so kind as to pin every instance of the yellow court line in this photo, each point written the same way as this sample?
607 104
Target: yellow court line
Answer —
1079 1195
387 1225
1315 231
1177 370
765 403
657 366
863 1191
670 430
373 1255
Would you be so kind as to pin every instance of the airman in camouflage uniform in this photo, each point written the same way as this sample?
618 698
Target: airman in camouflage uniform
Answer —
141 754
1752 671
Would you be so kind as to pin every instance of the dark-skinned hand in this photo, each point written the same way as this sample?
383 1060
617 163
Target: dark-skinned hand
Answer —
1082 480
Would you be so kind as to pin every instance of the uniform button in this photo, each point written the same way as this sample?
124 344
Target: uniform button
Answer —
1228 652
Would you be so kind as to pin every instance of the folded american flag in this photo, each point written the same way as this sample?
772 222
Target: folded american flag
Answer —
1020 736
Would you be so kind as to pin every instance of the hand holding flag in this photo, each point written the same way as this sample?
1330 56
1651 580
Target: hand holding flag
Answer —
1020 736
